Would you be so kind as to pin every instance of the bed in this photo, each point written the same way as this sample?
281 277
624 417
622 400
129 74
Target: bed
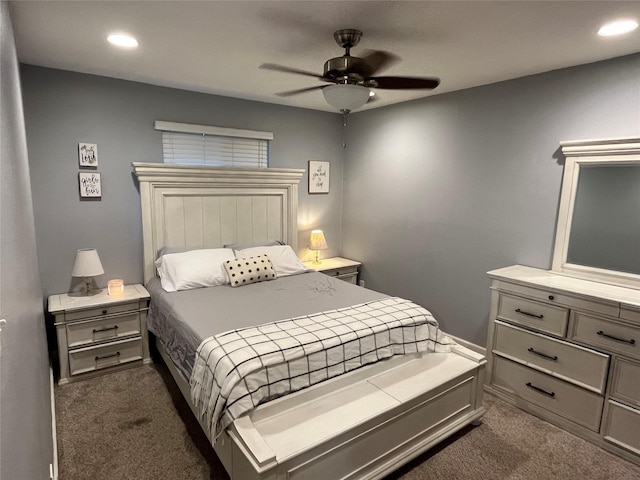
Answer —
362 424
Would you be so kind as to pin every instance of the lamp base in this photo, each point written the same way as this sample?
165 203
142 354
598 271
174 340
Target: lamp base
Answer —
316 260
89 291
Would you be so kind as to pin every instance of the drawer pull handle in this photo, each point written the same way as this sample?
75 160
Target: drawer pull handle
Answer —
104 357
550 357
106 329
541 390
104 312
529 314
617 339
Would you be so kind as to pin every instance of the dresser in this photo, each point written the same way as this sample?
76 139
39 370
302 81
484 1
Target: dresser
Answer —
568 351
100 333
338 267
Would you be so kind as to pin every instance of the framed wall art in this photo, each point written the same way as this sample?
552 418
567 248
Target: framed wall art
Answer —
318 177
90 186
88 154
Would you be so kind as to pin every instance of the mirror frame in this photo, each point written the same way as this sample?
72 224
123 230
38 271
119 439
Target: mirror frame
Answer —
612 151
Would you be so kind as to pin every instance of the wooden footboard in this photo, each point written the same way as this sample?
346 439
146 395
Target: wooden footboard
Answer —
362 425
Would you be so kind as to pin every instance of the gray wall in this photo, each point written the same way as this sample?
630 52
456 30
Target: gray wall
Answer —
441 190
64 108
26 441
436 191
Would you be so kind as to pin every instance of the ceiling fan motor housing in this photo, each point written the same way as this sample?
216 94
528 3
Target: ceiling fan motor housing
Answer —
347 68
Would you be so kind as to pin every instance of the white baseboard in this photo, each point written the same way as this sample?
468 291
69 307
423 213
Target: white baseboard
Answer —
470 346
53 466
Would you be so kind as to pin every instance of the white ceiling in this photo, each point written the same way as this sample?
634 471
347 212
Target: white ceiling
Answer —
217 46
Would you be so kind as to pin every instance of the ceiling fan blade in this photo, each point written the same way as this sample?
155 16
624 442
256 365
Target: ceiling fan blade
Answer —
402 83
376 61
282 68
300 90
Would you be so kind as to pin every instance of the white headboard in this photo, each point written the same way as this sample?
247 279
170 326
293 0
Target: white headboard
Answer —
195 206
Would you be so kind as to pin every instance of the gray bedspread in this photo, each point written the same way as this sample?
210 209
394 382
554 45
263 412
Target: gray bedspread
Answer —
181 320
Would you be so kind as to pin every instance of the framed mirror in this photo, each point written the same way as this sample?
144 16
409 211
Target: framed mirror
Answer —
598 231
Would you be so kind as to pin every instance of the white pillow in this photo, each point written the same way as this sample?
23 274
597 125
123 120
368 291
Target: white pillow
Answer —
194 269
284 260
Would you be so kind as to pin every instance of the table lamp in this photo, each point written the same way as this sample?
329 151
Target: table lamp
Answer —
87 265
317 243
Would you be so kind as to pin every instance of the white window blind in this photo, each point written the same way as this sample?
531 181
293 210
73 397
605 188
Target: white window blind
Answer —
188 144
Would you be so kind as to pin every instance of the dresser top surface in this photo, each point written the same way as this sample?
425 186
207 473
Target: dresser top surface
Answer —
562 283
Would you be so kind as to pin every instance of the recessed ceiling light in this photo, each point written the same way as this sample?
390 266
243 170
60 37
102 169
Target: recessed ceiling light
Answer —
618 27
122 40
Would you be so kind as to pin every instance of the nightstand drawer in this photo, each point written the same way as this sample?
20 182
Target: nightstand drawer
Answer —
621 426
88 359
606 334
565 399
101 311
97 331
342 272
349 278
541 316
561 359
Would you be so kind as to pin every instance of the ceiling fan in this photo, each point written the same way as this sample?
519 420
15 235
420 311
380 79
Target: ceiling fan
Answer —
353 77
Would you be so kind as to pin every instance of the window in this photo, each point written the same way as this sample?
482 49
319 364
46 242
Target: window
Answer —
188 144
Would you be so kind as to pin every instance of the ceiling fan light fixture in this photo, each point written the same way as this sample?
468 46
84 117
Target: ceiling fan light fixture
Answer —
346 97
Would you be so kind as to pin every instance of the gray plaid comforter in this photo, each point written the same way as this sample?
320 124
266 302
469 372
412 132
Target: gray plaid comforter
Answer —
238 370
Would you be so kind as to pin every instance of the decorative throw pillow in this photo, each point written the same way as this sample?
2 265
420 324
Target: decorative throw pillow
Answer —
243 271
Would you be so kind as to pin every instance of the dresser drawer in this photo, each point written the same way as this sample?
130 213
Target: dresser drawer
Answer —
101 311
88 359
96 331
572 402
625 382
606 334
629 313
601 307
622 426
569 362
541 316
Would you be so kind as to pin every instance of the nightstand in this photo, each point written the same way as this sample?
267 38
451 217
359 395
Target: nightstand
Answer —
100 333
338 267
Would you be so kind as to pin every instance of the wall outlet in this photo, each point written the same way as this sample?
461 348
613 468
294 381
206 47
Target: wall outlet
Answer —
361 283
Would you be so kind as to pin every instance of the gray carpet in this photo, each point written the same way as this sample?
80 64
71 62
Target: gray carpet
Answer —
134 424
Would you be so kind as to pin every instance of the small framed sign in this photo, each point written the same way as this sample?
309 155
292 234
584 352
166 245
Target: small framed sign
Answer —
318 177
88 154
89 183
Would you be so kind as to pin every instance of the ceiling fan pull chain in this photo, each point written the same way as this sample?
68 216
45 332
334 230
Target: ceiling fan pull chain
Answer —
345 116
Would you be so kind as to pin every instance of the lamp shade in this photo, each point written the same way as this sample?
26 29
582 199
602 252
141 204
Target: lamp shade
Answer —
87 263
346 97
317 241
